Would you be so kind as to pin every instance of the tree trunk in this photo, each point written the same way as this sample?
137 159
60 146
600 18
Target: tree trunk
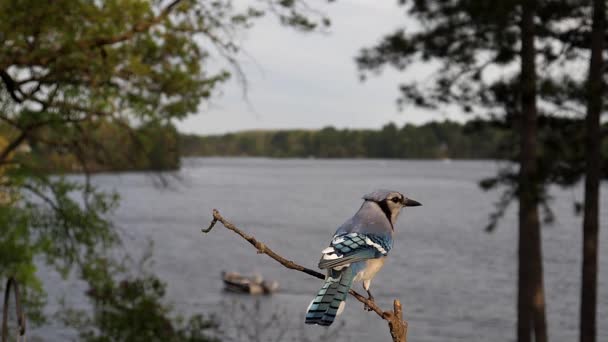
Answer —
588 307
538 300
531 299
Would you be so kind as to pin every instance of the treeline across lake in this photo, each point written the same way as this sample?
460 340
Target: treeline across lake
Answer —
560 138
447 139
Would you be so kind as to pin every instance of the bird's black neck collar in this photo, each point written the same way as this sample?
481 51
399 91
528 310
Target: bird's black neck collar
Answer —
387 212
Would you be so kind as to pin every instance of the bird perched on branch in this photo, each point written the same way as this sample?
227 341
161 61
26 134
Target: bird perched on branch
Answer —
356 253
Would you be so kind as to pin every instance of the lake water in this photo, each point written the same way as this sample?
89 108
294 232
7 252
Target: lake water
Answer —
456 282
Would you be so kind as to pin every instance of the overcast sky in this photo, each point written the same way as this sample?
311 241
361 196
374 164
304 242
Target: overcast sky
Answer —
310 80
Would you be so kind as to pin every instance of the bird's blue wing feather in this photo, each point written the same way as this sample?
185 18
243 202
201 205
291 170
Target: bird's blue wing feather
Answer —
349 248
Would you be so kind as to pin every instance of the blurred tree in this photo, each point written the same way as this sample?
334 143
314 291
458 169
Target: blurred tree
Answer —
478 48
132 308
595 91
531 301
77 78
108 147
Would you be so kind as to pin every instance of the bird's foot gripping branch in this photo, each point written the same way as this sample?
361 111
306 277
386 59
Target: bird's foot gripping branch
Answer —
396 324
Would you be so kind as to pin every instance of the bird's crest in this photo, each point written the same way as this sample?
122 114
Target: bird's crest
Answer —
380 195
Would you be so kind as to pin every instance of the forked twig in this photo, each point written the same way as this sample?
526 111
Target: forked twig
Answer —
397 326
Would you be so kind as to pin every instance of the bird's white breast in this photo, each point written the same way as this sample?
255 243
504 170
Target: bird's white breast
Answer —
372 266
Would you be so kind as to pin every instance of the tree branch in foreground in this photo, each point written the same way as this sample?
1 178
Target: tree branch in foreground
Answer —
12 283
396 324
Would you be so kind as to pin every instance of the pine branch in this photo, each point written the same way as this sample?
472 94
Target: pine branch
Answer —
137 28
397 326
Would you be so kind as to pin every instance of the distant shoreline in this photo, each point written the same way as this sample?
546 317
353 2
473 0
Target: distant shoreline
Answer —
433 140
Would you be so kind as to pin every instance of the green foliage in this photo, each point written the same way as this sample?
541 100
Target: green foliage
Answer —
161 146
109 147
132 309
42 217
16 256
76 77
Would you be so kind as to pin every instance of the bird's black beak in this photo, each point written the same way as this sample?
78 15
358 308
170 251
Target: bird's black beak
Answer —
410 203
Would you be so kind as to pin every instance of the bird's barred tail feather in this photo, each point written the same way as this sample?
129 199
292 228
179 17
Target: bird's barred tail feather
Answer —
329 302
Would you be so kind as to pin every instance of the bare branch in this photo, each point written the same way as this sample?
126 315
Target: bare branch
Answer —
397 326
12 283
13 145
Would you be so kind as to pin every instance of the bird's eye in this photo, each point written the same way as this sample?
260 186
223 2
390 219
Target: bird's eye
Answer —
396 199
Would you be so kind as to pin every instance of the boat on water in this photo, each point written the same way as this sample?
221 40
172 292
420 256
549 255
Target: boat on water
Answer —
254 285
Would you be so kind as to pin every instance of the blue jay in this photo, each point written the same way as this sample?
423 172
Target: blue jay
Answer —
356 253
